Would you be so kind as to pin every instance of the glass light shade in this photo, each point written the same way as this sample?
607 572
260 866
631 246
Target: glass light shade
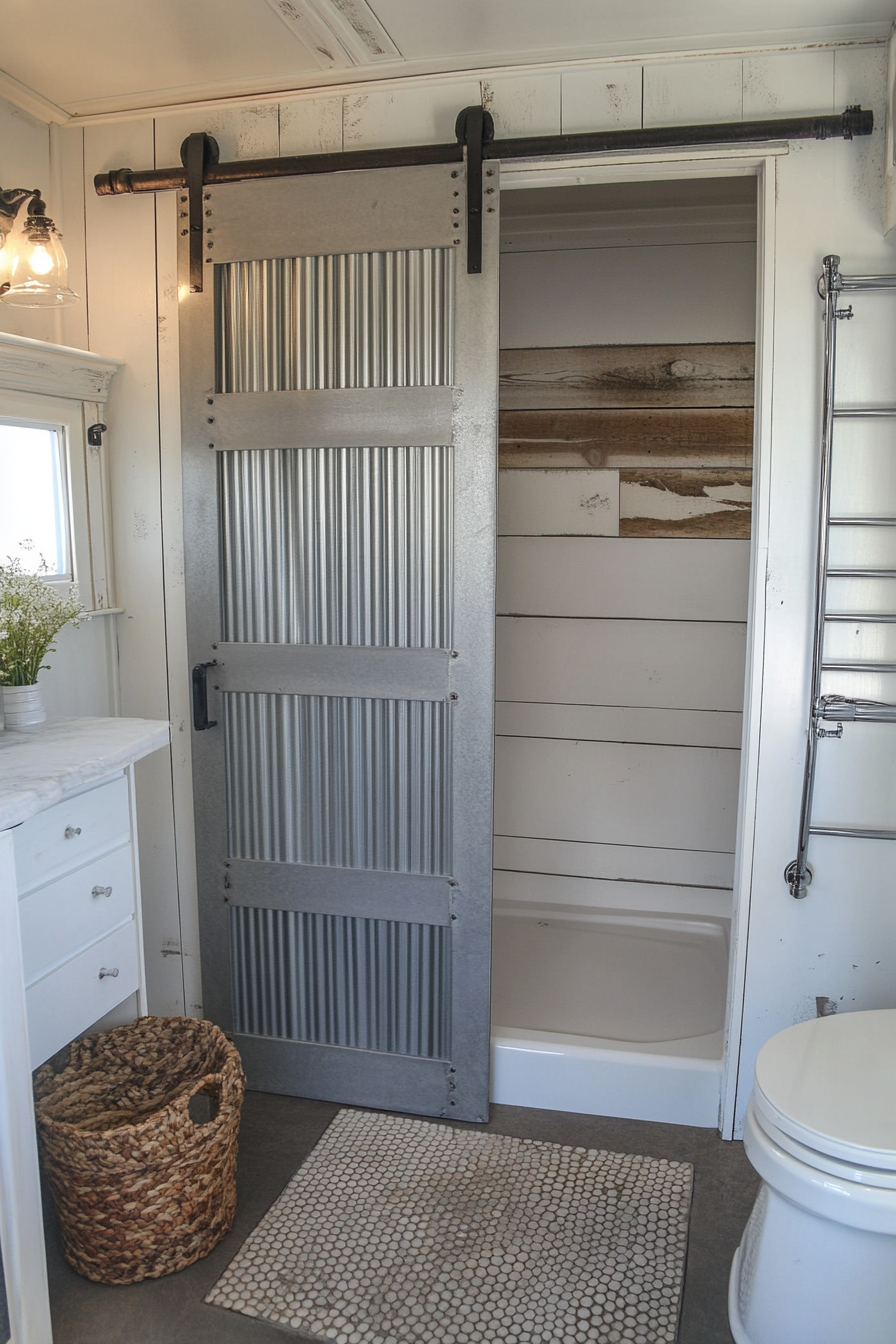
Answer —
34 264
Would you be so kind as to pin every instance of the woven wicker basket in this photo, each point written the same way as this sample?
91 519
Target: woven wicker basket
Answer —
140 1189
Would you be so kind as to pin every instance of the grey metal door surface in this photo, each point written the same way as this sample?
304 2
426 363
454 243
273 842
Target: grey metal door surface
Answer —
339 411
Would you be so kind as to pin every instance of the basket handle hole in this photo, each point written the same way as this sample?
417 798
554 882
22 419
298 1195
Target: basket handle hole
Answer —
203 1108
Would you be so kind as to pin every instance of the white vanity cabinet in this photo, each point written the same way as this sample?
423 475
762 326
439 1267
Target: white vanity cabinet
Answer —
78 913
71 945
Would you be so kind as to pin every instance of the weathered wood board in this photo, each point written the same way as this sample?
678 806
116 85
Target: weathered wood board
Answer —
683 437
558 503
592 376
694 503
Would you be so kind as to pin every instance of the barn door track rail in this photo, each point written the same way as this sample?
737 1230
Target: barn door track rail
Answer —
838 709
475 144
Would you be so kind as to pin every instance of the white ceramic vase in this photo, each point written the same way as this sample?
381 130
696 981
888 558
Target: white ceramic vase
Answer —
23 706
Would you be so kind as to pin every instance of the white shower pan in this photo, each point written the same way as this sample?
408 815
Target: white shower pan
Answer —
608 1013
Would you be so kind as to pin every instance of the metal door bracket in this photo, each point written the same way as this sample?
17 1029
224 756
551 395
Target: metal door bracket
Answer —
201 720
198 152
95 435
474 129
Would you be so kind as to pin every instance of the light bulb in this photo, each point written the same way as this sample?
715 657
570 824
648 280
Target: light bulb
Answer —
40 261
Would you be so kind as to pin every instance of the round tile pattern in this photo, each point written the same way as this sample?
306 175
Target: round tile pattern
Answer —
396 1229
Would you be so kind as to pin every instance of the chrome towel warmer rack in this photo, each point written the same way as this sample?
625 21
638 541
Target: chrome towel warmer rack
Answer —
837 708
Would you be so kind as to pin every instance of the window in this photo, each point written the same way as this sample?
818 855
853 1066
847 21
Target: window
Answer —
35 521
54 488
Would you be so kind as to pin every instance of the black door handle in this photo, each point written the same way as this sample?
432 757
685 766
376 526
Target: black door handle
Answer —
200 697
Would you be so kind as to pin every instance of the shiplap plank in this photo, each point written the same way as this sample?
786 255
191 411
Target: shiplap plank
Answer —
561 439
602 98
659 664
418 114
631 794
121 261
311 126
792 83
595 376
693 92
615 723
615 862
695 503
597 894
558 503
651 578
243 131
522 104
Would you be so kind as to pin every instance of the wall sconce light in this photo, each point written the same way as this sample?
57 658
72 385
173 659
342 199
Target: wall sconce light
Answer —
33 264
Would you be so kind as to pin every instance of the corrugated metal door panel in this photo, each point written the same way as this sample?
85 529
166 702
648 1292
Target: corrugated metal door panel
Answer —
341 567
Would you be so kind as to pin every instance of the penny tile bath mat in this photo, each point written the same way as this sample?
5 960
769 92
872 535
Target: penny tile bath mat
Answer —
398 1230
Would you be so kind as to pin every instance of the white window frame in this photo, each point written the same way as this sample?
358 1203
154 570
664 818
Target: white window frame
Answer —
66 389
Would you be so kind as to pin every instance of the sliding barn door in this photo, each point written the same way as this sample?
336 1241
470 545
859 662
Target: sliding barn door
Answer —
339 420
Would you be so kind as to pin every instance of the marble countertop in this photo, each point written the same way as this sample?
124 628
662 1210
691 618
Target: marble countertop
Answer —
38 766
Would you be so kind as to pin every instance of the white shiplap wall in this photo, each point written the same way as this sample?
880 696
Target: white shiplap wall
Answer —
821 197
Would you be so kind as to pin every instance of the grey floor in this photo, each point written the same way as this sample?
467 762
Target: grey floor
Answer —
277 1133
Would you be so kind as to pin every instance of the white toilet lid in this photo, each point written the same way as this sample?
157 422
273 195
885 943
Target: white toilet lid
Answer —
831 1084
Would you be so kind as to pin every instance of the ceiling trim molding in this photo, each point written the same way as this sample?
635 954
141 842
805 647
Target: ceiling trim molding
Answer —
21 96
55 370
360 79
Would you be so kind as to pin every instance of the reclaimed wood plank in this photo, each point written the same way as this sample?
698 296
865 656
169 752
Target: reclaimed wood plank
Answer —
696 503
627 375
558 503
564 439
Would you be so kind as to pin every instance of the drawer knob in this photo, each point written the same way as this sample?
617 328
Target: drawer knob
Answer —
104 971
101 891
72 831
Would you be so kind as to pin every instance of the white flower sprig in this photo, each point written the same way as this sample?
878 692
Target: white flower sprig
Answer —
31 615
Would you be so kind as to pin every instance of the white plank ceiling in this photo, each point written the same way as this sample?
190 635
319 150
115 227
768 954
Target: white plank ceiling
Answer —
102 56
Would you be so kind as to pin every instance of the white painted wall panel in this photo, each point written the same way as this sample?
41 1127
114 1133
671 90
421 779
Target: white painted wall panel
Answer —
414 115
615 862
558 503
602 723
523 104
694 91
628 296
123 321
628 577
602 98
25 162
643 897
663 664
82 678
242 130
792 83
673 797
863 468
311 126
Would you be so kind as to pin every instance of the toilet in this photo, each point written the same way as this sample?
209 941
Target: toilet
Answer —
817 1261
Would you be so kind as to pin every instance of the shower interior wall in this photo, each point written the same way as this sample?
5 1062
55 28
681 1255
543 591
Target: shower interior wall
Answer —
817 198
628 322
621 637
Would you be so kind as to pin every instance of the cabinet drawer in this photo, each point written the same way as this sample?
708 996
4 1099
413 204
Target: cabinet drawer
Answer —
68 914
71 832
70 999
